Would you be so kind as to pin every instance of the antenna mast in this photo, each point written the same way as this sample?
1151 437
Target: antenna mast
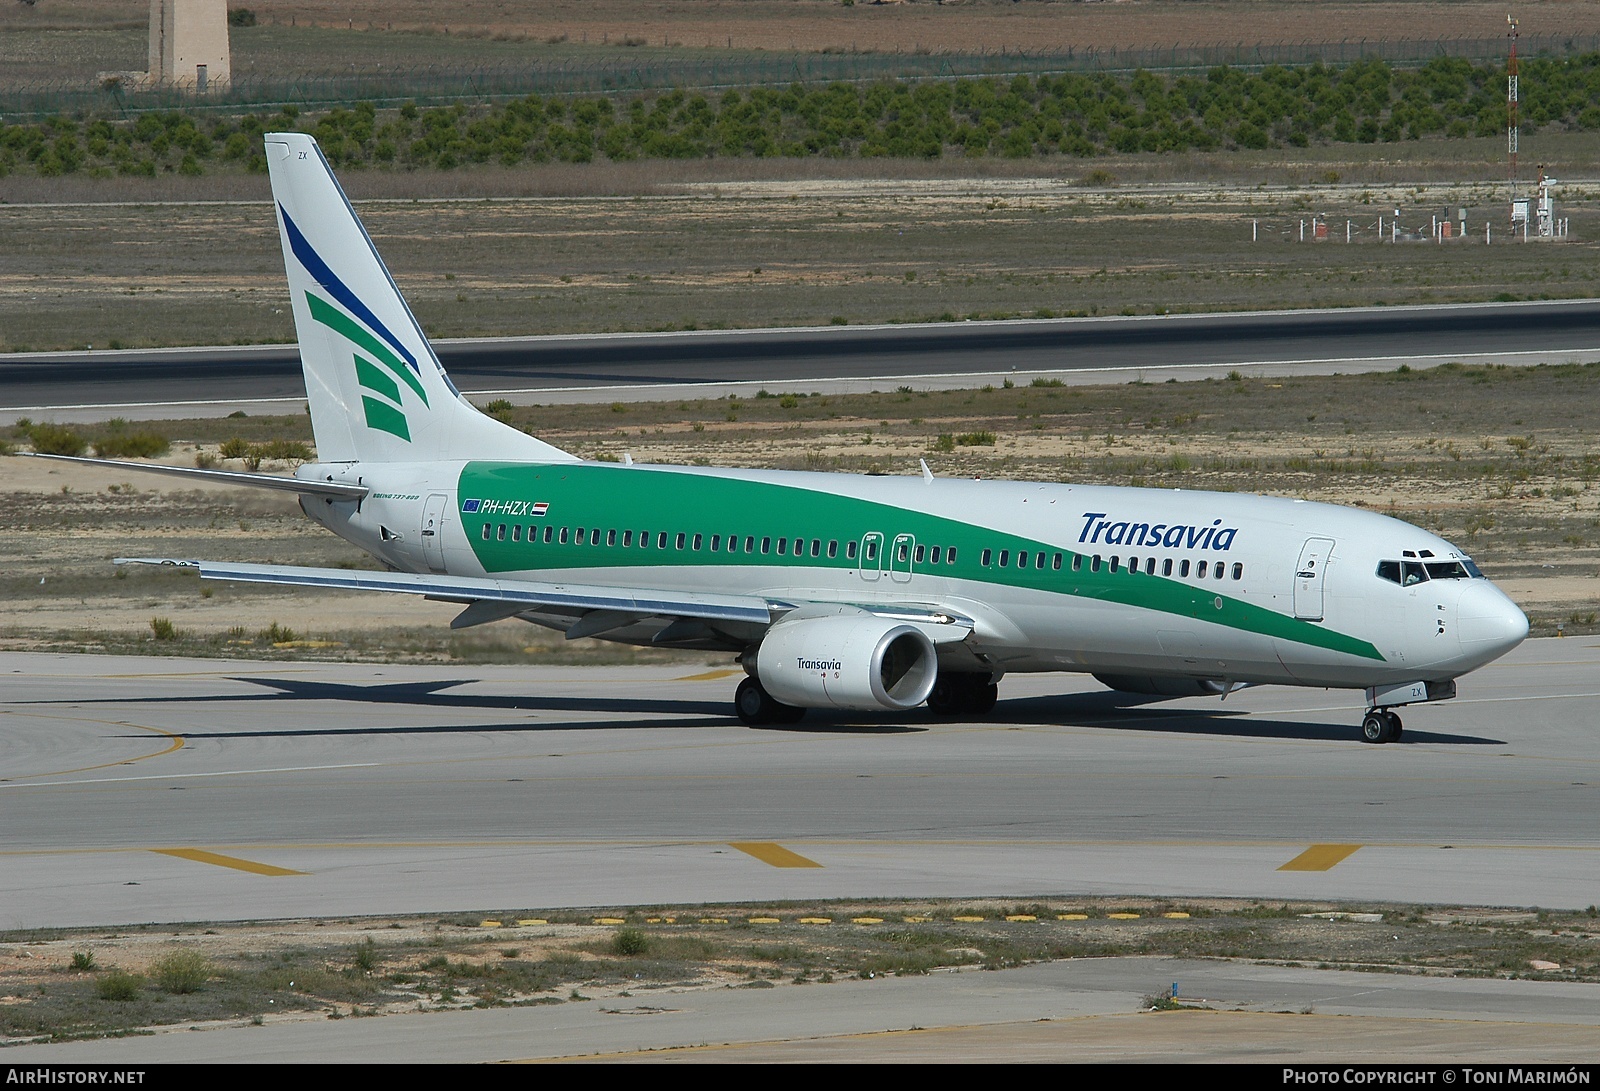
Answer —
1512 128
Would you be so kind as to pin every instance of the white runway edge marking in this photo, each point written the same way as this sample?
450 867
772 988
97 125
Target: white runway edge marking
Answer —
190 776
673 391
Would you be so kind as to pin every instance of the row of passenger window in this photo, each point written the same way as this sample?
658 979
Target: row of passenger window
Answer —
715 543
1095 562
797 547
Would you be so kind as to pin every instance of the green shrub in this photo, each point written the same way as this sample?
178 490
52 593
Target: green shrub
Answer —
630 942
182 971
53 439
234 448
162 628
277 634
83 960
976 439
131 445
119 985
282 449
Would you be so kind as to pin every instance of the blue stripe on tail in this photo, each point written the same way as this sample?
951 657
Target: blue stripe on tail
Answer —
338 289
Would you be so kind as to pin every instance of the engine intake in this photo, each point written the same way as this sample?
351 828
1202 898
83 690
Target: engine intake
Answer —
856 662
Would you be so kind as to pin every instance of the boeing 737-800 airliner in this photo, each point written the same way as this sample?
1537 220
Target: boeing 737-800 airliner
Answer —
835 591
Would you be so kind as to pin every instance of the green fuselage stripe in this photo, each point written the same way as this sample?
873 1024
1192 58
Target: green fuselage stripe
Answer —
653 501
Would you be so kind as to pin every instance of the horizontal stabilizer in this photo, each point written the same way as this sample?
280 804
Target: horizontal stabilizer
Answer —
331 489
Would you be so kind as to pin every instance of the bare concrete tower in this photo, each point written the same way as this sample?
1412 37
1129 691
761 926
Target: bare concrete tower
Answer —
189 43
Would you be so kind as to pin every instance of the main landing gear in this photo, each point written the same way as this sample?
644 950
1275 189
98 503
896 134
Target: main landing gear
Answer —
954 694
962 694
1381 725
756 706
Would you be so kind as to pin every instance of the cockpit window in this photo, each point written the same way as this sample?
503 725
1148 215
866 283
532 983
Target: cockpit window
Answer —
1407 573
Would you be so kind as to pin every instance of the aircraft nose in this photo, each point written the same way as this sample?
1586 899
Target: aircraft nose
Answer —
1489 623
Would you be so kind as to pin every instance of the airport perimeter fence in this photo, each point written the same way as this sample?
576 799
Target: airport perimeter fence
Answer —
434 84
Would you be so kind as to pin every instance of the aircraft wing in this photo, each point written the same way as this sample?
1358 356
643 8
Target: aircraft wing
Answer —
592 609
635 601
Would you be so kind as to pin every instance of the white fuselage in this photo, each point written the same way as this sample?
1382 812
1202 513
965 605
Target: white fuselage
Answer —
1295 586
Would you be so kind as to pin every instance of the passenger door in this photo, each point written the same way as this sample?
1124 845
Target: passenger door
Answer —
1308 578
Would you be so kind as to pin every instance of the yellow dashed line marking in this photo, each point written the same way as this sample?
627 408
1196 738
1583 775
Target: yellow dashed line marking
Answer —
708 676
770 852
175 743
201 856
1320 858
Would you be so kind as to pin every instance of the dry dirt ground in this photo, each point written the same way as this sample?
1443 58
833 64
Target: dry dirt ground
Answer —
754 252
52 982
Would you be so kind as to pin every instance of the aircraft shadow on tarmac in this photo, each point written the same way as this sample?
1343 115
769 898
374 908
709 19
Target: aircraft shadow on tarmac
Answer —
1101 710
1108 710
429 695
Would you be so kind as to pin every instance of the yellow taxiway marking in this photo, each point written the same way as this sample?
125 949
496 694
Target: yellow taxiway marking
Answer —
175 742
1320 858
201 856
708 676
769 852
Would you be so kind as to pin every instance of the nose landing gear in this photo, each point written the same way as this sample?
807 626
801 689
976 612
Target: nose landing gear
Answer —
1381 726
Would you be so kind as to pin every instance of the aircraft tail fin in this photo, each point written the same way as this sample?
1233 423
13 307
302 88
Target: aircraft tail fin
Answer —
377 391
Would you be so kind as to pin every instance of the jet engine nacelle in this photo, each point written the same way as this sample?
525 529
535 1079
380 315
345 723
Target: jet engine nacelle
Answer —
858 662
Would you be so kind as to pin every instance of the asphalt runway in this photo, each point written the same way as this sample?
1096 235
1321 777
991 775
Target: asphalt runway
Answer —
262 378
146 789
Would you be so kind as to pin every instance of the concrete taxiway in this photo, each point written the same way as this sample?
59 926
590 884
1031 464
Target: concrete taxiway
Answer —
147 789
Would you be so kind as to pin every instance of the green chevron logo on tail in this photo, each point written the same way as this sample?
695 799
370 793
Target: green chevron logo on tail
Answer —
387 415
355 322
